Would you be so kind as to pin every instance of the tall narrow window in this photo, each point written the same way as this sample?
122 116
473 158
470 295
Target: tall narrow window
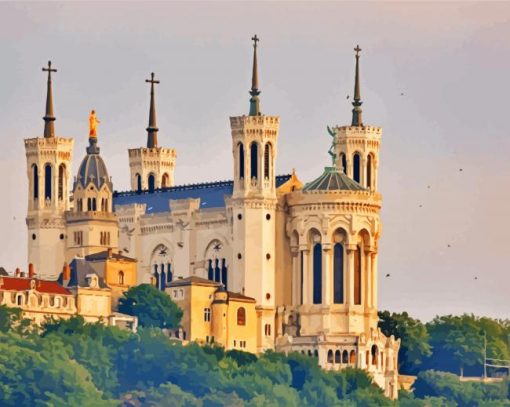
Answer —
224 273
138 183
152 183
47 181
369 171
36 181
338 274
357 276
164 181
169 274
241 161
317 274
156 275
163 277
254 160
121 278
210 271
343 160
267 157
94 204
61 176
217 271
356 162
241 316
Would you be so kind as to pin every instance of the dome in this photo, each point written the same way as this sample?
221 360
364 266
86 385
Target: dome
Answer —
93 169
332 179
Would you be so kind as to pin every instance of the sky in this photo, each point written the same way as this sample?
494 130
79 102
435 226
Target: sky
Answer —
435 76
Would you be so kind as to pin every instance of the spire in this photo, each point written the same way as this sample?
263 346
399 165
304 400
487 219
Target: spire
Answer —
152 130
356 112
49 125
254 92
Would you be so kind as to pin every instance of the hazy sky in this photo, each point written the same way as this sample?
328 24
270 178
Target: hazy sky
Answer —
450 60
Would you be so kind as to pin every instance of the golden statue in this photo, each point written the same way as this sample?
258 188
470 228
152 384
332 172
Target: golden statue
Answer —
93 122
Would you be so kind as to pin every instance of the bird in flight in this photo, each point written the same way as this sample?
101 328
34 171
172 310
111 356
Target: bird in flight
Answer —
449 245
347 97
476 278
460 169
387 275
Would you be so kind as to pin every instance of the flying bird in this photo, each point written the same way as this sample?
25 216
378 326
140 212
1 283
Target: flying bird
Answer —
449 245
421 206
387 275
460 169
428 186
347 97
476 278
402 94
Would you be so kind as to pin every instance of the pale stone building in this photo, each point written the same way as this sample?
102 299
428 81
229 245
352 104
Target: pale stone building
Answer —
306 255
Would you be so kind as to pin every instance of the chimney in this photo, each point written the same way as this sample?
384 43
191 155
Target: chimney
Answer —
110 252
31 270
17 272
66 272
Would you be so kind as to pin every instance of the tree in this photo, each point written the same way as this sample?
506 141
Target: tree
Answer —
153 307
414 347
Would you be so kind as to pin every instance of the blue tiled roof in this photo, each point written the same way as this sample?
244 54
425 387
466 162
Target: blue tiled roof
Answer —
211 194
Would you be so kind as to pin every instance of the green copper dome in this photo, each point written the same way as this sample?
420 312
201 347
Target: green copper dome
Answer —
332 179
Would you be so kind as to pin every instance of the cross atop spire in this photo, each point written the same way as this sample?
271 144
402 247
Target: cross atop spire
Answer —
254 92
152 130
356 112
49 118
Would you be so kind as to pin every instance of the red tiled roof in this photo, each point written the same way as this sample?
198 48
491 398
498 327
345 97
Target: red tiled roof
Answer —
23 284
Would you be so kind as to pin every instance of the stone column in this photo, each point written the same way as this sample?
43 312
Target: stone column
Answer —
296 277
349 273
368 281
326 274
306 275
374 278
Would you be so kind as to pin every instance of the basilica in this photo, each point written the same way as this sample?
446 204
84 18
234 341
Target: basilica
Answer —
260 262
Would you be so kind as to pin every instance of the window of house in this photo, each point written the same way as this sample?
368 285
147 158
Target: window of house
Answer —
241 316
267 329
121 277
207 314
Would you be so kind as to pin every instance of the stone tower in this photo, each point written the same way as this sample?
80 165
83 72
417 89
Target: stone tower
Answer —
151 167
91 226
254 141
356 147
48 170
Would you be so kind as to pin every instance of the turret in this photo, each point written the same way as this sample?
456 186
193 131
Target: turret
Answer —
152 167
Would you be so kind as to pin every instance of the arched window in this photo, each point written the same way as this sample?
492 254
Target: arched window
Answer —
89 204
169 274
163 277
356 163
330 356
61 180
121 278
94 205
165 181
317 273
35 176
19 300
338 274
343 161
241 316
369 171
374 351
241 160
80 205
352 357
224 273
156 275
345 357
47 181
254 160
337 356
357 276
267 157
210 271
217 271
138 183
152 183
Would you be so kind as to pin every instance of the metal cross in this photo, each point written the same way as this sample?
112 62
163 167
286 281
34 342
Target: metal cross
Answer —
49 69
255 39
357 49
151 80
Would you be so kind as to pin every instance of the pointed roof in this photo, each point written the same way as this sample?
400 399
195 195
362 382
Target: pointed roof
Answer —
254 92
356 111
152 130
292 184
49 117
333 179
